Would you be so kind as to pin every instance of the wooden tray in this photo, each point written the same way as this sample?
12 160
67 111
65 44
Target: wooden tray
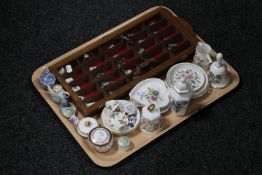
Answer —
138 138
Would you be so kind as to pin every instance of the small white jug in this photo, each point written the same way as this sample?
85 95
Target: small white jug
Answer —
202 55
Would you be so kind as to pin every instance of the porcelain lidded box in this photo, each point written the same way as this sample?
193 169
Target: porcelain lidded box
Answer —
151 119
150 91
86 125
100 139
194 75
180 96
123 143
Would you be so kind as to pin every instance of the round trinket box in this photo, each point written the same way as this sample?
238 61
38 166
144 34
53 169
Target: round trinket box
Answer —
123 143
151 119
86 125
100 139
194 74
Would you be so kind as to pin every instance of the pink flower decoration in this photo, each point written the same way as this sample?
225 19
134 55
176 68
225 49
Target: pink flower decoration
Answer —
189 77
153 98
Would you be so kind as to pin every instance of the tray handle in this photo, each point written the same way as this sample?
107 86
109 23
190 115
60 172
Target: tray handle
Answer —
185 24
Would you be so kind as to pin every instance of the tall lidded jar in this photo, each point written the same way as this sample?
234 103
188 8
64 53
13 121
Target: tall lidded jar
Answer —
151 119
180 96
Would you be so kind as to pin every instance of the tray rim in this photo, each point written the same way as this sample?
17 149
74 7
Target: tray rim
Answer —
72 129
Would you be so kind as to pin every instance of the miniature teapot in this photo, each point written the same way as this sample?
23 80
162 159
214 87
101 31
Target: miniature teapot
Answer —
218 73
57 93
47 78
202 55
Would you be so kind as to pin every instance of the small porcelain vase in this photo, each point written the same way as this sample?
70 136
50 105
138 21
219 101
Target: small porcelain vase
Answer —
202 55
151 119
218 73
180 96
57 93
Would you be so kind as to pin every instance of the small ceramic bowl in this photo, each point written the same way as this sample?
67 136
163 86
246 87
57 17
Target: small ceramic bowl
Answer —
68 111
120 116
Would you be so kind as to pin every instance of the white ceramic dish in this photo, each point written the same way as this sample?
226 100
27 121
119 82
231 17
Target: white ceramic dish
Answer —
193 73
108 121
150 91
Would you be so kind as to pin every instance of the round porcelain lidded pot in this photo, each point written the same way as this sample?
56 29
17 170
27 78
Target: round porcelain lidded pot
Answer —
86 125
194 74
123 143
100 139
151 119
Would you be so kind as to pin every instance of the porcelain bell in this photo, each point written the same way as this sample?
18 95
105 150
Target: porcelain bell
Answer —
219 74
180 96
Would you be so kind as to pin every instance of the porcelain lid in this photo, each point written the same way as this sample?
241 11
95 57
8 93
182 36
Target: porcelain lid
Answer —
194 75
182 86
57 87
123 141
100 136
151 112
86 125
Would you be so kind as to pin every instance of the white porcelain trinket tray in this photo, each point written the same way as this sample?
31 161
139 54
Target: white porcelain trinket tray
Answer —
150 91
194 74
118 117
